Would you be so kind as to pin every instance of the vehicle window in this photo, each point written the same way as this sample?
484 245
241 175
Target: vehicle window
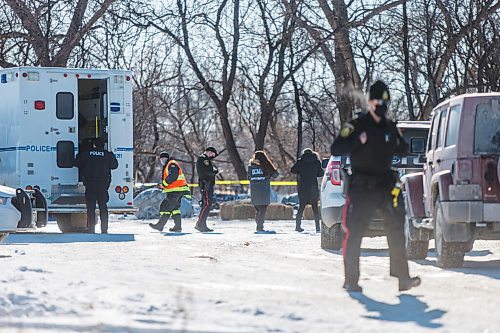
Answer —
417 145
487 130
65 154
433 131
440 133
452 128
65 105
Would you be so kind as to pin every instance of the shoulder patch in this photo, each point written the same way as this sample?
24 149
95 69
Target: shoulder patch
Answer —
346 130
206 162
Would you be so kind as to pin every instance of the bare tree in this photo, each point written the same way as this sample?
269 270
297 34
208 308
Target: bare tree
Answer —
211 16
41 29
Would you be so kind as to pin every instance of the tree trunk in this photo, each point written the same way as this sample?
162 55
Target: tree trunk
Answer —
406 54
265 117
231 148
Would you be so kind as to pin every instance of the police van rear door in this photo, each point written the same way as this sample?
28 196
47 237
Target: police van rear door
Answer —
64 98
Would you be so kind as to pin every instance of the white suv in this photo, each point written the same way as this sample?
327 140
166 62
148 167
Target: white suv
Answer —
338 167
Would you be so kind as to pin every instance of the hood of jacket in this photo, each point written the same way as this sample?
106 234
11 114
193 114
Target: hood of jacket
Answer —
309 158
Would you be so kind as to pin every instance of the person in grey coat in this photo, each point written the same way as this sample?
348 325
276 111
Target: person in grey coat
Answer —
308 168
260 171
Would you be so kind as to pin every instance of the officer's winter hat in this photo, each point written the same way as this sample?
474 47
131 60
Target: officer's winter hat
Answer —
380 91
164 154
212 149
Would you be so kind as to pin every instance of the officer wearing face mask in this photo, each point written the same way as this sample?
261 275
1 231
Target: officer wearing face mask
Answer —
371 141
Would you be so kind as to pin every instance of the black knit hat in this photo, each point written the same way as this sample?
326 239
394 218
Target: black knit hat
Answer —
212 149
380 91
164 154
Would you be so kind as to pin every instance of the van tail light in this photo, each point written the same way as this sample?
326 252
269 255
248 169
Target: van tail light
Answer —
334 172
39 105
464 170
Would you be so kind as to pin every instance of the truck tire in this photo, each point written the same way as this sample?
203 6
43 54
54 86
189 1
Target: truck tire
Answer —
415 249
449 254
331 238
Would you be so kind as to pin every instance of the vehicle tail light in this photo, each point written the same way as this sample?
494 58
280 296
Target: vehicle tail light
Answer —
464 170
125 189
334 172
118 189
39 105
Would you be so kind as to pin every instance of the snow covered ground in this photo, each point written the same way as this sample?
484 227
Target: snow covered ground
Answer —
137 280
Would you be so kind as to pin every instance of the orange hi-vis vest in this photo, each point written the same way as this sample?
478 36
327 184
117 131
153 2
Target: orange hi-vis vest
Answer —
179 185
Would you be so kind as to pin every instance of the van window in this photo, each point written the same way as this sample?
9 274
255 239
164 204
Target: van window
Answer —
65 105
440 133
452 128
65 154
487 130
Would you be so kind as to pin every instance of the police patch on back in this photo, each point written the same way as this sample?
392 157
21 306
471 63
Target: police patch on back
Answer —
346 130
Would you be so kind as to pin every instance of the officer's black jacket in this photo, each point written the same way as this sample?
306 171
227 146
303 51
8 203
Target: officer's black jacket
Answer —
95 166
375 156
206 170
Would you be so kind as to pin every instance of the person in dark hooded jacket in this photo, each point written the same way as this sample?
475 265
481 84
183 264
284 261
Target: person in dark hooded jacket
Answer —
308 168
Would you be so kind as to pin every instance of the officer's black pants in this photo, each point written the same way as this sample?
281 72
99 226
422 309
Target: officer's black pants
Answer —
97 193
171 206
360 208
207 194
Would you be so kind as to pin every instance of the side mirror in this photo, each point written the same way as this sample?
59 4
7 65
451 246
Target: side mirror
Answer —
324 163
417 146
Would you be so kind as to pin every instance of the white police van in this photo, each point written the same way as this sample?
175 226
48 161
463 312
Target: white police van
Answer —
47 115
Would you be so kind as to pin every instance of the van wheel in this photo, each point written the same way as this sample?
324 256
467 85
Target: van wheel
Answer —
331 238
415 249
449 254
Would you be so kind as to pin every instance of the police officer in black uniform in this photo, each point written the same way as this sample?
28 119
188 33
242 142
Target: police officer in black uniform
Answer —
206 181
95 166
372 140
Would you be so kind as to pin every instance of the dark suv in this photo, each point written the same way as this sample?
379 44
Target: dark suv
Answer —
456 199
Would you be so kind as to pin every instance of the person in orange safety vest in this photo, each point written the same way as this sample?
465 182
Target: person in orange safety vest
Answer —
175 187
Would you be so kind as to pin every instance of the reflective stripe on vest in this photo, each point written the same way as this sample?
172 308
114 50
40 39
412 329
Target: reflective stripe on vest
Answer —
179 185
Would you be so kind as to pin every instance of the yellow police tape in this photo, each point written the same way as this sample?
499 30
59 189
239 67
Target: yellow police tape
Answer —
231 182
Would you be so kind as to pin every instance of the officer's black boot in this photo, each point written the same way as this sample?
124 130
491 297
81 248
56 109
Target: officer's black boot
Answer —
177 224
409 282
161 223
352 287
297 226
